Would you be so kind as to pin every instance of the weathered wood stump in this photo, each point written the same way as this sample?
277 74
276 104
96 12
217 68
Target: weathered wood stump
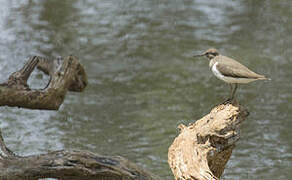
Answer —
65 75
202 149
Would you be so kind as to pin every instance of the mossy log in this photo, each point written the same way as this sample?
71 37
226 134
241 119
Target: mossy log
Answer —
65 75
202 149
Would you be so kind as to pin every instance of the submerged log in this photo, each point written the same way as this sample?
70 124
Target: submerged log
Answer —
68 165
65 75
202 149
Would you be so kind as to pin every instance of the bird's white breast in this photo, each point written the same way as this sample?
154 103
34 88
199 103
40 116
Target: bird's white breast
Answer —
216 72
227 79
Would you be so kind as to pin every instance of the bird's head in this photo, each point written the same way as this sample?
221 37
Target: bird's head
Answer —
210 53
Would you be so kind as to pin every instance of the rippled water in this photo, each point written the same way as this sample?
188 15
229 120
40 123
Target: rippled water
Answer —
143 80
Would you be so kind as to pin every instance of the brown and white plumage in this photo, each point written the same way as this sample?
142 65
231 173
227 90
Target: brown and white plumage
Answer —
229 70
232 70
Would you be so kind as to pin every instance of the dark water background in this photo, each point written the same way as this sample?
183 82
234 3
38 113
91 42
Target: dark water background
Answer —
143 81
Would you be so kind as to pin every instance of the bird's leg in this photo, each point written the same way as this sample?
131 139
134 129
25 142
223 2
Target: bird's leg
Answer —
230 97
233 91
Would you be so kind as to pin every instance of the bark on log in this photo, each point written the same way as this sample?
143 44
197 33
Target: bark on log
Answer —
202 149
68 165
65 74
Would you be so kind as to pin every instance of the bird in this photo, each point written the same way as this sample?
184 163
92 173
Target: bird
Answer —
230 70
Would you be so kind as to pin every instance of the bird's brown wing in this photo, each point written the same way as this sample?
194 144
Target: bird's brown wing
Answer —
236 70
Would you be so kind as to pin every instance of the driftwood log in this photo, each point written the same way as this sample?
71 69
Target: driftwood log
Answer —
202 149
65 75
200 152
68 165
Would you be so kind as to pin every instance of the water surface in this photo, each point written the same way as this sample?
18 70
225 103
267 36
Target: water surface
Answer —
143 81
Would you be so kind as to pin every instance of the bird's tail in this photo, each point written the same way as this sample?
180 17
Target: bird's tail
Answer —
264 78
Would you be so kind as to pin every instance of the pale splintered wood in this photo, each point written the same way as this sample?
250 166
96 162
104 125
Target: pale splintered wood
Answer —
202 149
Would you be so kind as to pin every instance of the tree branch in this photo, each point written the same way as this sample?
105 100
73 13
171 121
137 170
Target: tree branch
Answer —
4 151
66 74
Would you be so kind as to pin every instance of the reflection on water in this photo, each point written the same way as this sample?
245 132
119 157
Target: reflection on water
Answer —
143 81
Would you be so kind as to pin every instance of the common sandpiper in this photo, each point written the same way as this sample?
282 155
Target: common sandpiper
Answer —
230 71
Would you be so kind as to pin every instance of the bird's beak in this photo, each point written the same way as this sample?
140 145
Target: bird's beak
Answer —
199 55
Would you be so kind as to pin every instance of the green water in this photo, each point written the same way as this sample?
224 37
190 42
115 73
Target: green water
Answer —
143 81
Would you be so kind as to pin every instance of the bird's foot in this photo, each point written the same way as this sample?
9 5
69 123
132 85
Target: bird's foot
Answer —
229 101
